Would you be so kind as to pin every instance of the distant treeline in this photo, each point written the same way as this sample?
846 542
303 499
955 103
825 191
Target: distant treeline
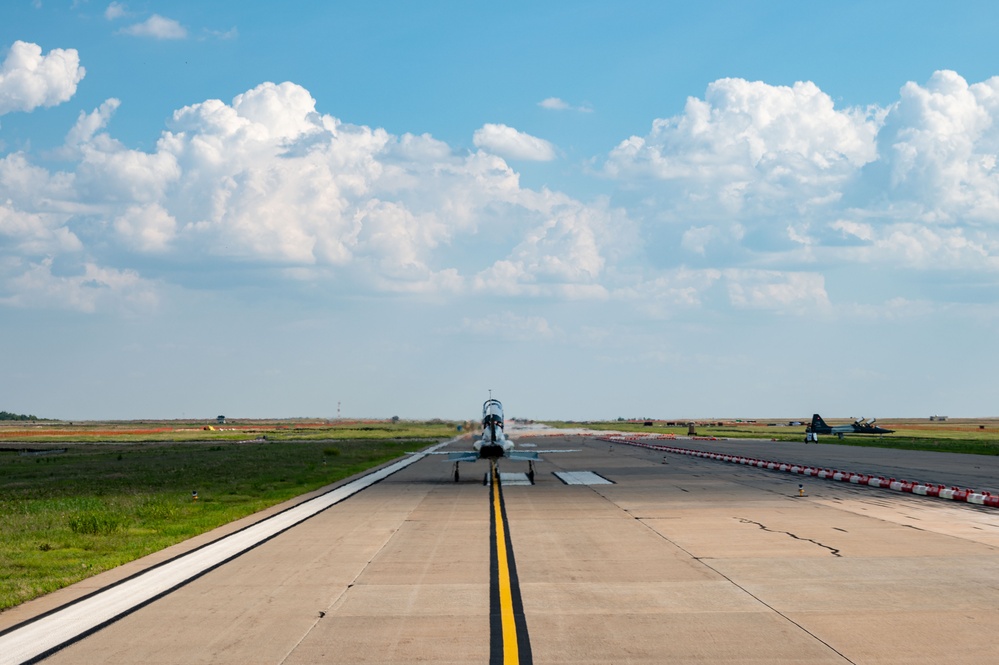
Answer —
4 415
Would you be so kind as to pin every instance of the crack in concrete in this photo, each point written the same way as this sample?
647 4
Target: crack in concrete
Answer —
705 561
832 550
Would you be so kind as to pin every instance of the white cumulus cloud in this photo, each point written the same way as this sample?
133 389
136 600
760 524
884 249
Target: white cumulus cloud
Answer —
147 228
557 104
157 27
36 234
674 289
115 10
512 144
29 79
509 327
267 180
768 289
87 290
938 152
554 104
748 145
89 124
780 173
734 196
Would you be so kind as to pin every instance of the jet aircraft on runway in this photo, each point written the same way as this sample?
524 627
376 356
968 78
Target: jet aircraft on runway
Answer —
861 426
494 445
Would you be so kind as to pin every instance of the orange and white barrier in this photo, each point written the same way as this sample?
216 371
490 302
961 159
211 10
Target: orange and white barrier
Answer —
907 486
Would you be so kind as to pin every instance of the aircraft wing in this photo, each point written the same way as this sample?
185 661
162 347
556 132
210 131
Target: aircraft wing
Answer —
463 456
524 454
533 454
470 456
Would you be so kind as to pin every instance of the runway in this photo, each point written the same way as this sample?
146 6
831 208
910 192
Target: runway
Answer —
687 561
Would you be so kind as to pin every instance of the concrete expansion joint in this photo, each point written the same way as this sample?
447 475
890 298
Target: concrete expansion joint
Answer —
706 562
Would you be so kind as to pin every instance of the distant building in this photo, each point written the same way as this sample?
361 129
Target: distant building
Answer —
220 420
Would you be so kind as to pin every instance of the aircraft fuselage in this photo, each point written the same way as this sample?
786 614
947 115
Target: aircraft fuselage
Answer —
493 444
819 426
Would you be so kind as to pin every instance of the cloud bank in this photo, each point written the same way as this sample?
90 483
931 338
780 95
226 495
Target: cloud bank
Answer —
773 170
268 181
745 200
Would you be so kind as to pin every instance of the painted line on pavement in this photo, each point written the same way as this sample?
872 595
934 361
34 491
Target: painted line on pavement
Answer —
509 642
582 478
41 636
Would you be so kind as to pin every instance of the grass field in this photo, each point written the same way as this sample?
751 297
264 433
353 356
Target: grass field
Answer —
976 436
71 510
175 431
80 498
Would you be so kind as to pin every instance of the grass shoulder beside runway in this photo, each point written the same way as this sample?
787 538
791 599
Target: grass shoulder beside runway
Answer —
972 436
72 510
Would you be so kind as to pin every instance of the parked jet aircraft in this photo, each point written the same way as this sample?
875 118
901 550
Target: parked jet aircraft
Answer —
861 426
494 445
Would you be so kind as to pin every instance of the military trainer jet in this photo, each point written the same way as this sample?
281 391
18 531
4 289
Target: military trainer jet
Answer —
861 426
494 445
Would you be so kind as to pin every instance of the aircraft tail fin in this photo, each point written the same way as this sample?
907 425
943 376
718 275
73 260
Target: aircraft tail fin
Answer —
817 422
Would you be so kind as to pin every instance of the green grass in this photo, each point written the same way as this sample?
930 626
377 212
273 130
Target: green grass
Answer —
160 431
970 436
940 445
66 516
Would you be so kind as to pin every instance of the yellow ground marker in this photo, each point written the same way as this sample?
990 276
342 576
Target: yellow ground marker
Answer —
510 650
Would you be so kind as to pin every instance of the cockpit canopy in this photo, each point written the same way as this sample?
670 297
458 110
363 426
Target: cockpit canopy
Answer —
492 413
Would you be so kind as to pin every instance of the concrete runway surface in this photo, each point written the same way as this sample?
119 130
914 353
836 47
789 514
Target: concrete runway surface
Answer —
681 560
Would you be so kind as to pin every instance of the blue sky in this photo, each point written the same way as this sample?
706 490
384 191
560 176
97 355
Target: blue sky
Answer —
638 209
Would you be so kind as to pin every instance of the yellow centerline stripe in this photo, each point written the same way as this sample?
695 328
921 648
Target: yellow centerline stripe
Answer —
511 653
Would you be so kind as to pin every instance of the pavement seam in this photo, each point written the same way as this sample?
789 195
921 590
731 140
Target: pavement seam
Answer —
336 602
703 562
749 593
831 497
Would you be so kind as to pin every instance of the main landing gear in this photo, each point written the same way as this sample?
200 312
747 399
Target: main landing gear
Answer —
456 475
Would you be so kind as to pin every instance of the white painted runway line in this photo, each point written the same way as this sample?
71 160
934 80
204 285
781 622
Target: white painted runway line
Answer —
508 479
581 478
51 631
